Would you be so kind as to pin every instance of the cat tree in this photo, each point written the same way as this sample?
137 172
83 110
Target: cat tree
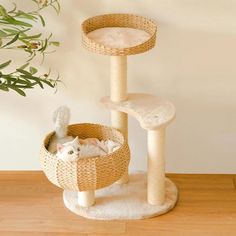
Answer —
118 36
153 113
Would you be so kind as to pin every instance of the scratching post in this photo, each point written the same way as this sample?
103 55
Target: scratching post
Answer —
86 198
119 120
156 167
143 195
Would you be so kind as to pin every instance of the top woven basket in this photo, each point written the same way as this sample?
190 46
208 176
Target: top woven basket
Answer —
88 173
118 20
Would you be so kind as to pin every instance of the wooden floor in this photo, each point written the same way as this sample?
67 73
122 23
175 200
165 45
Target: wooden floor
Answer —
31 206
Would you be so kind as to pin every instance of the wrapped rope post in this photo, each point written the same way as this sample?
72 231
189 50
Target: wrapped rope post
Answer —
156 166
119 120
86 198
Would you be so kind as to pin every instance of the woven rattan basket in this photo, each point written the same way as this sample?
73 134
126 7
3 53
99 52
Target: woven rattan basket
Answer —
87 173
118 20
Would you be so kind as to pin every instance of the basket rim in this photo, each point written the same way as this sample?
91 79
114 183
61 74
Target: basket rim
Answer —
86 159
124 50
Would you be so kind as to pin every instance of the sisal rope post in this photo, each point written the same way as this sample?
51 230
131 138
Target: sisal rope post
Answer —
86 198
156 166
119 120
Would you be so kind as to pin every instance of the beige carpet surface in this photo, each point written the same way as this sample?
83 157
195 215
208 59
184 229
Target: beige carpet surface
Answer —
126 201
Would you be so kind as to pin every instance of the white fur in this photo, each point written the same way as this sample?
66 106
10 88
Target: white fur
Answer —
68 148
99 148
68 151
89 150
61 119
73 150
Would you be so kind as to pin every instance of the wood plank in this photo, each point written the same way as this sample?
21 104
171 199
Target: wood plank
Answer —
62 225
203 181
30 205
12 233
207 206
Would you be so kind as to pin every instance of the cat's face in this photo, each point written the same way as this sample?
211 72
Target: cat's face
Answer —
68 151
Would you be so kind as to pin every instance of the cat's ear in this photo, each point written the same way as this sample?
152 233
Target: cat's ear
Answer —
75 142
60 147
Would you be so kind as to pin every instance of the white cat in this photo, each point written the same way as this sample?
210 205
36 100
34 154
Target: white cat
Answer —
68 148
68 151
73 150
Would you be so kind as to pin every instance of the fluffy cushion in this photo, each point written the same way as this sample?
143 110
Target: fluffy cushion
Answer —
118 37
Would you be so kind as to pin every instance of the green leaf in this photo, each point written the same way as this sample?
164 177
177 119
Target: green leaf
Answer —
20 91
21 81
12 21
24 72
24 66
3 11
57 6
4 88
30 77
12 41
11 31
5 64
2 34
57 44
14 32
42 49
32 36
42 20
48 83
36 1
22 14
13 10
33 70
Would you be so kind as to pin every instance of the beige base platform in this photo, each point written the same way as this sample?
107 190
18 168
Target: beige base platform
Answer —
127 201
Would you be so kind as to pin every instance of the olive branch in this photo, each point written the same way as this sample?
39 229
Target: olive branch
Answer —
15 34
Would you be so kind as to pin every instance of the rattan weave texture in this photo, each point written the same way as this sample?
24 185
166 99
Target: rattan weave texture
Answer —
87 173
118 20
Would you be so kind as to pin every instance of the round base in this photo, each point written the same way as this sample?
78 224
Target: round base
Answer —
123 202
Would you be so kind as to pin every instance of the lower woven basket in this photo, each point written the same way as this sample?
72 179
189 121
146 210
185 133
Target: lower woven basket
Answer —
89 173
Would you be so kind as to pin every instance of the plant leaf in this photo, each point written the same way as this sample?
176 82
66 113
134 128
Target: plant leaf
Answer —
42 20
12 41
22 14
12 21
57 44
33 70
2 34
5 64
48 83
3 11
4 88
20 91
31 36
24 72
14 8
42 49
24 66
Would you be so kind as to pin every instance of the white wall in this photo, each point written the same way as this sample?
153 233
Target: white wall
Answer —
193 65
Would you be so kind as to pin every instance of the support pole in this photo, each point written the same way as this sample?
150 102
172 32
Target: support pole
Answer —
156 167
119 120
86 198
